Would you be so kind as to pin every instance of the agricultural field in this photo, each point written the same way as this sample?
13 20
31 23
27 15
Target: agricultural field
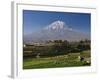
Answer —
66 60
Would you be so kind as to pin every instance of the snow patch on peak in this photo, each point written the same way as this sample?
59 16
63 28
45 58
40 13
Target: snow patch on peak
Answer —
56 25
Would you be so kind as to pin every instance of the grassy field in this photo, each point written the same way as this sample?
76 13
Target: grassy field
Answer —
68 60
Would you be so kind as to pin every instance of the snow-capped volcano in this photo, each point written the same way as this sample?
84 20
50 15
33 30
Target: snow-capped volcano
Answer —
57 30
57 25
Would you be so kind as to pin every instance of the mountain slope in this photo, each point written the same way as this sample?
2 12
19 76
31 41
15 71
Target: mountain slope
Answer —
56 31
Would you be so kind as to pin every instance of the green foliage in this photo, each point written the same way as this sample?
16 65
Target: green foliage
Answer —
69 60
56 47
57 53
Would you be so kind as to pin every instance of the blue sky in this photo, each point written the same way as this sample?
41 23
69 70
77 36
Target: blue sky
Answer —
36 20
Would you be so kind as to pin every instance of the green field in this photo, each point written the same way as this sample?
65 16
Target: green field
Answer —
67 60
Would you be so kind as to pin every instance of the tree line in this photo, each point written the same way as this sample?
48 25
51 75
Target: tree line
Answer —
60 47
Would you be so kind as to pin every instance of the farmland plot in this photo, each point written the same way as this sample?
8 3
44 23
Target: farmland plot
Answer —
68 60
